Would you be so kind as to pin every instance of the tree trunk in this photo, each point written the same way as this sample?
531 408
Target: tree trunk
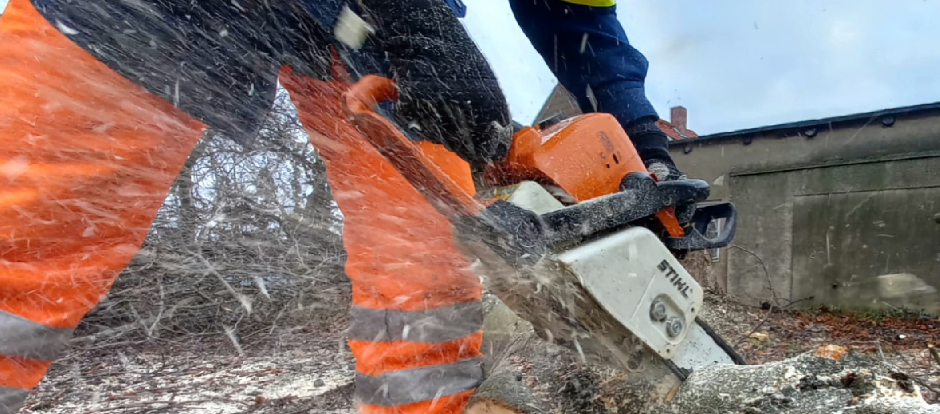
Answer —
561 312
504 393
504 390
816 382
528 375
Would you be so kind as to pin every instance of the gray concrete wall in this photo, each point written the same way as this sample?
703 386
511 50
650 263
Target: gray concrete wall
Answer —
845 218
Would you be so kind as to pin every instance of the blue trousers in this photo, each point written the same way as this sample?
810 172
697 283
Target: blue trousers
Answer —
588 51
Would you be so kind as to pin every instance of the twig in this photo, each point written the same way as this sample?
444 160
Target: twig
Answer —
773 292
790 303
934 353
112 333
156 320
911 366
924 384
758 326
242 299
113 345
770 311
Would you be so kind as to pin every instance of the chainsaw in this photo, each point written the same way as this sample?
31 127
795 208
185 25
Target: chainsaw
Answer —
574 235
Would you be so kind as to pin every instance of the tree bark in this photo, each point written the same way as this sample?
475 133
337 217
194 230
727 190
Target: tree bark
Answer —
504 393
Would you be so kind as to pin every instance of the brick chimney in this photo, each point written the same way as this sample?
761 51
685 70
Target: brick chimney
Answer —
677 128
679 118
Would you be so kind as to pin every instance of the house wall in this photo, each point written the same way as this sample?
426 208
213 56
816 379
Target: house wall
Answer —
845 218
559 102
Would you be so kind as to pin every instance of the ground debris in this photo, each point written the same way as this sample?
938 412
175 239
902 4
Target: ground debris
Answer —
307 375
903 341
310 371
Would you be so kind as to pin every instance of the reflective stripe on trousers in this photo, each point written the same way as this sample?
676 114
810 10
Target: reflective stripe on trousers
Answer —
22 338
416 319
11 399
441 324
419 384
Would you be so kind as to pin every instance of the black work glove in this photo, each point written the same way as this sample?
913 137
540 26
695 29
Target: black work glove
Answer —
448 92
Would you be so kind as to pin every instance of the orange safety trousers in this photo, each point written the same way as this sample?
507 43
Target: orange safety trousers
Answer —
87 161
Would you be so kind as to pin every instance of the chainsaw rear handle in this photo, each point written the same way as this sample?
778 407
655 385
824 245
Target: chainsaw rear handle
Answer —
695 238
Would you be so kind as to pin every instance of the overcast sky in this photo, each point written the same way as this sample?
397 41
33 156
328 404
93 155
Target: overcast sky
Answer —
747 63
742 64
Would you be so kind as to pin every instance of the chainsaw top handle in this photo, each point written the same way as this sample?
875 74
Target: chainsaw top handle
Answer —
441 176
365 94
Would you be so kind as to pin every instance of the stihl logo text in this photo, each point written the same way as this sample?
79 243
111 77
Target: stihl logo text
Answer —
674 278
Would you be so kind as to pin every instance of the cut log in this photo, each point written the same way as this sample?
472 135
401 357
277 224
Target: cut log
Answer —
504 393
526 374
829 380
504 390
561 312
563 358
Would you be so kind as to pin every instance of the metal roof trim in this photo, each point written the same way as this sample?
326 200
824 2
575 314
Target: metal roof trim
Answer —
803 126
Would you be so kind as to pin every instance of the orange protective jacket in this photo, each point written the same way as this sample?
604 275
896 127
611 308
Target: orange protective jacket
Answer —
90 151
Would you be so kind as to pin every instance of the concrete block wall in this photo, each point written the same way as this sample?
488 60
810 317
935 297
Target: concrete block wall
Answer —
842 217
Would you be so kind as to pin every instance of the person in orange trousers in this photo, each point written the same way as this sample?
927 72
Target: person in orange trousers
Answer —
102 102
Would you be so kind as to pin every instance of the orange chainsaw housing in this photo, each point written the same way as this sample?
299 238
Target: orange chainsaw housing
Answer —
587 156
